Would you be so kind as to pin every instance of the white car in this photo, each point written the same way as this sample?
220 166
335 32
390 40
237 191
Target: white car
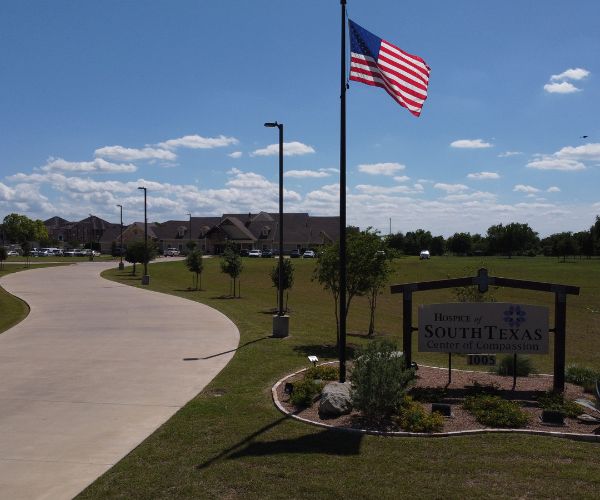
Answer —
172 252
255 253
12 253
424 255
308 254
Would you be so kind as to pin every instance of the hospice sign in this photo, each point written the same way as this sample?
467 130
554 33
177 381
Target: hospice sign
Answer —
483 328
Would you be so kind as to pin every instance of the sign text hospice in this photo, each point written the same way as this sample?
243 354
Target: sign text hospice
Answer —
483 328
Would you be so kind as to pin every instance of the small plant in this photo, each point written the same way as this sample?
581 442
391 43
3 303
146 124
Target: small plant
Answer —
478 389
305 392
524 366
414 418
493 411
556 401
583 376
380 380
322 372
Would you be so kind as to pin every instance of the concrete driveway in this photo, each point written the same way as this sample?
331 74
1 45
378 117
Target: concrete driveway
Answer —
93 370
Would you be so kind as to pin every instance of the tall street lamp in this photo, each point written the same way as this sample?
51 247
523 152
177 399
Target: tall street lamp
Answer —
281 321
91 237
190 232
145 277
121 265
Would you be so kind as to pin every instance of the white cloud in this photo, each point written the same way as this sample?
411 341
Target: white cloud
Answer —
381 168
199 142
289 149
470 144
132 154
553 189
235 154
480 176
300 174
97 165
450 188
370 189
590 151
476 195
401 178
571 74
552 163
506 154
523 188
561 88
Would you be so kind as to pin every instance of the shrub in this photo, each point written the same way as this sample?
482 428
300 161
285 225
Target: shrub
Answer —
494 411
556 401
305 392
322 372
580 375
414 418
524 366
428 394
380 380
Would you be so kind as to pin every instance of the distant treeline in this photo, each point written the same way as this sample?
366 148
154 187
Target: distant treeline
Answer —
510 239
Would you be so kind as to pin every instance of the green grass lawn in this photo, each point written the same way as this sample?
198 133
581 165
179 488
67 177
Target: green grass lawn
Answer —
12 309
231 442
58 258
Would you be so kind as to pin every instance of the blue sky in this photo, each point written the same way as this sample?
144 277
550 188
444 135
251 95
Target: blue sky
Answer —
97 98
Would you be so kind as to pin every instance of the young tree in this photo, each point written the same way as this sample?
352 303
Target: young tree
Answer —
195 264
231 264
3 256
360 263
514 238
136 253
379 275
26 249
288 278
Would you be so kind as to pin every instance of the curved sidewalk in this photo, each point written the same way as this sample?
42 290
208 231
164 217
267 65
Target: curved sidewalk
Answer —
93 370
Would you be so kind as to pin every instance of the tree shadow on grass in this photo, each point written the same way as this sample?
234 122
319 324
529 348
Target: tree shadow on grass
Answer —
328 442
324 350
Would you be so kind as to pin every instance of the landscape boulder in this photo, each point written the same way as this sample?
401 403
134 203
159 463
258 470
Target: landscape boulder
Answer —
335 400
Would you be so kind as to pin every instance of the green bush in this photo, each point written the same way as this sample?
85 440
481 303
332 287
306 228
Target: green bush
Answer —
322 372
380 380
556 401
414 418
428 394
524 366
493 411
580 375
304 392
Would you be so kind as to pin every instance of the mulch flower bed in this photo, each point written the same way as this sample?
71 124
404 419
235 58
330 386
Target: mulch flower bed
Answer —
434 381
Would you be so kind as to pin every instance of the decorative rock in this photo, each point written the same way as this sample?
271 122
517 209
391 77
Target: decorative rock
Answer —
335 400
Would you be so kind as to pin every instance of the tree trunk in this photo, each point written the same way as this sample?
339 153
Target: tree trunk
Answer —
372 306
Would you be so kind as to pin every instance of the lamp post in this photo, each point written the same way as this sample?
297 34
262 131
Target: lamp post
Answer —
281 320
91 257
121 265
190 233
145 277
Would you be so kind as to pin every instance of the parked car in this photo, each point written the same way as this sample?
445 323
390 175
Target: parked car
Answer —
244 252
266 254
309 254
12 253
172 252
424 255
70 253
255 253
295 254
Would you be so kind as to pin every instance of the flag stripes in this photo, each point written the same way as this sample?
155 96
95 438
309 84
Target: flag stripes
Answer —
375 62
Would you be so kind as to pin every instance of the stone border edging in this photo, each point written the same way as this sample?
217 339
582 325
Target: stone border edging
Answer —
590 438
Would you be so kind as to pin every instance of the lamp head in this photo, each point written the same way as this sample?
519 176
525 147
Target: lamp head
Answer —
271 124
142 188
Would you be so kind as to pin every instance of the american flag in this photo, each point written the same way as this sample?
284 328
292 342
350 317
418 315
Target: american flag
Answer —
379 63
